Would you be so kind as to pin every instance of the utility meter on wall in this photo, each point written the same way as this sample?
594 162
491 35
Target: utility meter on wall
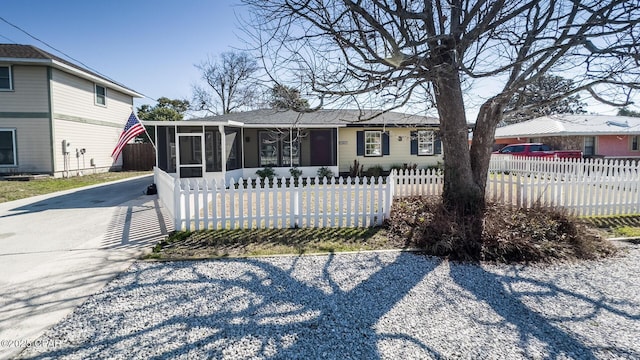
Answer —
65 146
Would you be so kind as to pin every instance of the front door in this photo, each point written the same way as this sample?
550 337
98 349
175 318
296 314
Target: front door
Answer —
190 155
322 147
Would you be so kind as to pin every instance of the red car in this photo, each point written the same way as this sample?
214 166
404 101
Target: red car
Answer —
538 150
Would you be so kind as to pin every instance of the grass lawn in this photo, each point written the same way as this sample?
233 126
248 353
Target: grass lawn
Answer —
14 190
261 242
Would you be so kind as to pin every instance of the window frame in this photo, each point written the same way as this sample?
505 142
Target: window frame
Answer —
375 144
100 96
9 70
426 143
14 147
584 145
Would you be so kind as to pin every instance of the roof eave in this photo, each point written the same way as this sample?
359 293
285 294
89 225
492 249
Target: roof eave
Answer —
72 70
95 79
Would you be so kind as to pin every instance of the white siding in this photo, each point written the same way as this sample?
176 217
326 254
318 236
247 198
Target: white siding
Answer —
29 90
74 96
83 123
399 150
97 140
33 143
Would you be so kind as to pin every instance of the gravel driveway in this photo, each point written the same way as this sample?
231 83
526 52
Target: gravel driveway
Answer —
362 306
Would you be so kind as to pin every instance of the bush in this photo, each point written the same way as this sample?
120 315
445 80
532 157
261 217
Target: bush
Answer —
266 173
325 172
356 169
375 171
295 172
439 167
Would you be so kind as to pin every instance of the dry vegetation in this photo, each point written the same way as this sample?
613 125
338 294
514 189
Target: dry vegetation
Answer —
510 235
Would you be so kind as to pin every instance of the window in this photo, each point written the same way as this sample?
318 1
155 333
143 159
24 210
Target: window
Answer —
278 149
373 143
101 95
589 145
5 78
8 147
634 143
539 148
512 149
426 140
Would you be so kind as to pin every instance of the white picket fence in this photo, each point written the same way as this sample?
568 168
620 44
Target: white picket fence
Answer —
281 203
582 187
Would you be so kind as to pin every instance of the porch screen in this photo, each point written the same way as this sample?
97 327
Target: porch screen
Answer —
279 149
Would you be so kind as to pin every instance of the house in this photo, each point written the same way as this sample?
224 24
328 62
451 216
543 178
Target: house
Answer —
56 117
596 135
236 145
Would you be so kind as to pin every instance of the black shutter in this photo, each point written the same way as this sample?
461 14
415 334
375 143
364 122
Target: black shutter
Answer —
385 143
438 144
414 143
360 143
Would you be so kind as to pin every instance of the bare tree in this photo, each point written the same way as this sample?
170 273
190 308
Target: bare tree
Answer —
402 48
230 83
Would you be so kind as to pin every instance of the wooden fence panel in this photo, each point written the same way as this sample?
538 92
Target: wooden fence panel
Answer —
138 157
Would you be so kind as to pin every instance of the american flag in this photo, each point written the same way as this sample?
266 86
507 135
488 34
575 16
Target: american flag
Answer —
132 128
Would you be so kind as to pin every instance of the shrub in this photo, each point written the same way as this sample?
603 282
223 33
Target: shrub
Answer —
375 171
324 172
356 169
439 167
295 172
266 173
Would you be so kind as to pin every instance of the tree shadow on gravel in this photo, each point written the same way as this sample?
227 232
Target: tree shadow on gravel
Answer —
243 308
531 306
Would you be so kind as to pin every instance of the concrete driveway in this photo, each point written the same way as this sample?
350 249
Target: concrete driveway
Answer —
57 249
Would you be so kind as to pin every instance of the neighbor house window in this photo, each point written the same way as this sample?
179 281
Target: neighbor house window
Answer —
634 143
589 145
426 140
373 143
101 95
5 78
8 147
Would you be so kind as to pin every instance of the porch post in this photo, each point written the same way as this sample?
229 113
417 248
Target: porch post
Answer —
155 132
291 146
336 148
203 152
242 146
223 147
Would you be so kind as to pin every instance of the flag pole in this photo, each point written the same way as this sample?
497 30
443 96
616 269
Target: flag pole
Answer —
145 131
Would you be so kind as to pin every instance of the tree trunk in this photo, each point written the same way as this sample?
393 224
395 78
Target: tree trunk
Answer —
460 193
483 137
462 198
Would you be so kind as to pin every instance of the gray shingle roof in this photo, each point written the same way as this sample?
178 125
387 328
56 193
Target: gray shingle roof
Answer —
324 117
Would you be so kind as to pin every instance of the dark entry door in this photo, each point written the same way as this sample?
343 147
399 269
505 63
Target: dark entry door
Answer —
322 148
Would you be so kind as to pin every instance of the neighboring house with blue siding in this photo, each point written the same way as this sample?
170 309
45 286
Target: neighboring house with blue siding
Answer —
236 145
56 117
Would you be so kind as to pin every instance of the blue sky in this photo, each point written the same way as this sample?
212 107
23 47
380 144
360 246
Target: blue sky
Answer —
150 46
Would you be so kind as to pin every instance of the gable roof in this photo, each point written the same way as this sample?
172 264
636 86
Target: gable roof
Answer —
31 55
324 117
572 125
